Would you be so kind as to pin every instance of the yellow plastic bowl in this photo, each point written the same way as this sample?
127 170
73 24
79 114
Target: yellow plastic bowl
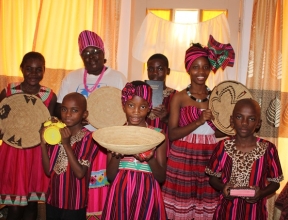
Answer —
52 135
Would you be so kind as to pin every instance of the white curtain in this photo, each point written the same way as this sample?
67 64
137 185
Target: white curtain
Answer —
157 35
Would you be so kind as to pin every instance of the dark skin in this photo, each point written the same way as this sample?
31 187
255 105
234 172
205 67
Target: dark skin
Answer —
33 71
136 110
199 72
246 118
73 111
157 69
93 60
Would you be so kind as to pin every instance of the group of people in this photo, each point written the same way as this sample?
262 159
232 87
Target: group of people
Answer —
188 176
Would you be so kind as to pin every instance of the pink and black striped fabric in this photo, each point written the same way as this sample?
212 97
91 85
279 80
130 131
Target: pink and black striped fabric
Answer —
144 91
89 38
219 55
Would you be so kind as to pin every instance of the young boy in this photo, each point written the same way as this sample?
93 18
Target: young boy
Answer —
158 69
68 163
244 161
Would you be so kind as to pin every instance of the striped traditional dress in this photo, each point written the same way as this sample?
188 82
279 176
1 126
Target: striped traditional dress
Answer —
261 166
186 192
134 193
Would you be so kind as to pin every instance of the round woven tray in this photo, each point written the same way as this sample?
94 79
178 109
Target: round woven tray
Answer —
128 140
222 101
21 118
105 107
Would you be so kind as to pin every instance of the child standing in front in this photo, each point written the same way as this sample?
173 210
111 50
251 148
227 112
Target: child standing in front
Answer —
68 163
136 193
244 160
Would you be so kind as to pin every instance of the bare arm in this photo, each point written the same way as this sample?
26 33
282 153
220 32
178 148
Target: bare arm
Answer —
44 153
2 94
112 166
176 132
78 169
158 165
218 185
52 105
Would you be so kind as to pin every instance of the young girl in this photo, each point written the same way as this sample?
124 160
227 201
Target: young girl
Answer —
135 193
158 69
244 161
20 191
68 163
186 192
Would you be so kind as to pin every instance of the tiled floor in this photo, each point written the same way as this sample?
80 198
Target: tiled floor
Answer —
41 212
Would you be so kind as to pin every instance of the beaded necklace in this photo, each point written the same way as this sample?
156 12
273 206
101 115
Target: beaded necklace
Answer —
97 82
195 99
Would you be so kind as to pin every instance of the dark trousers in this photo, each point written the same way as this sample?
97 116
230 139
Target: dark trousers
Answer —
54 213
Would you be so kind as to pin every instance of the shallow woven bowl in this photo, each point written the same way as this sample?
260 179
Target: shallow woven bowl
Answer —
222 100
128 140
105 107
21 118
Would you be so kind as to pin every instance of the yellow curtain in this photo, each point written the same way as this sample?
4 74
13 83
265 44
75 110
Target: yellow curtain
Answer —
52 28
17 25
267 74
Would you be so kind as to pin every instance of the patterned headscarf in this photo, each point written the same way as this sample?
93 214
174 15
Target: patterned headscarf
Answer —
142 90
219 55
88 38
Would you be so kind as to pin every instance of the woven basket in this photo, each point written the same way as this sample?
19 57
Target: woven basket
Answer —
105 108
21 117
222 100
128 140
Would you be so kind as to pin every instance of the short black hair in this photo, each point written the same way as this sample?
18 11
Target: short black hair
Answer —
79 97
32 55
139 83
159 56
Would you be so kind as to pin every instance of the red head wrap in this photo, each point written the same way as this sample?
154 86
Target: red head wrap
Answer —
143 90
219 55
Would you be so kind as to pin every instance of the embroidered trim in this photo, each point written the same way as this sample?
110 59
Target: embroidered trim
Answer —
276 179
167 92
211 173
242 162
84 162
78 137
62 161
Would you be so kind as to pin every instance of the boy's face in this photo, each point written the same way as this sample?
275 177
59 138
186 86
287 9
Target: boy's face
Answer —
72 111
136 110
245 119
157 70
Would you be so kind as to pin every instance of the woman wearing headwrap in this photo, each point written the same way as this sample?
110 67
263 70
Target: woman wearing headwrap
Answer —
186 192
134 192
94 75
